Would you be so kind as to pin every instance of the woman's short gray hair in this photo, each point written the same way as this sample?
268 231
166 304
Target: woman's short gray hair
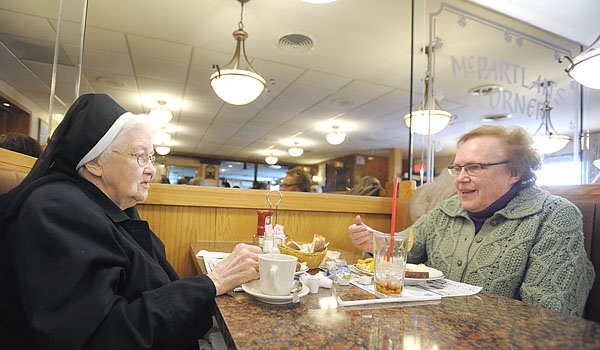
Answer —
518 144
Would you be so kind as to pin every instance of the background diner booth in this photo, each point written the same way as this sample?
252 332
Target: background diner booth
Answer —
482 65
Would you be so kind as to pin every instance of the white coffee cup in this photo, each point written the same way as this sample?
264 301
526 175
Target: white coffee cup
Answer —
276 273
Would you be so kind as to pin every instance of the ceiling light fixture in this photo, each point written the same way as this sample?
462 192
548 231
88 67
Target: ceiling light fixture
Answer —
429 118
271 159
296 151
548 141
335 137
161 138
161 115
585 67
232 84
163 150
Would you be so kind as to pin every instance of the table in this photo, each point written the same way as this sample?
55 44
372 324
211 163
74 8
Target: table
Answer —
480 321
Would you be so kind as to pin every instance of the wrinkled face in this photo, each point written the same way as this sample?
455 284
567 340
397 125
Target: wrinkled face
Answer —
479 191
290 183
122 179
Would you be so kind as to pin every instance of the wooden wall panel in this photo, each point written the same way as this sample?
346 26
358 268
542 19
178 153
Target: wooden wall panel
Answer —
180 215
177 226
576 192
234 224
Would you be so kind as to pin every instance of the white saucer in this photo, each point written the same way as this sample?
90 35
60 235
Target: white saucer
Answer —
298 273
253 288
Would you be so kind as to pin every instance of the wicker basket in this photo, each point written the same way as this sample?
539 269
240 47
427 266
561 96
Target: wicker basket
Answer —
312 260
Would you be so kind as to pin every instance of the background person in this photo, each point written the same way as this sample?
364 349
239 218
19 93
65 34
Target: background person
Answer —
367 186
79 268
501 231
21 143
297 180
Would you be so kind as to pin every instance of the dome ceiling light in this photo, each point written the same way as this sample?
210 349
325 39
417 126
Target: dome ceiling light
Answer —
585 67
335 137
163 150
296 151
429 118
231 83
271 159
161 115
547 139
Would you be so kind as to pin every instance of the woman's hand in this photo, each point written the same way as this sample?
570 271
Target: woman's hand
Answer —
239 267
361 238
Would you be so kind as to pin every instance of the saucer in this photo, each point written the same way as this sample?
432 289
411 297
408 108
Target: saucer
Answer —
253 288
298 273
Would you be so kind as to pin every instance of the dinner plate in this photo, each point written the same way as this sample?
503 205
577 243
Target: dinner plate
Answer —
433 274
253 288
366 272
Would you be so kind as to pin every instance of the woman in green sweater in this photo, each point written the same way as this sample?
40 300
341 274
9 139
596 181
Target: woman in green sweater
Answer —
501 231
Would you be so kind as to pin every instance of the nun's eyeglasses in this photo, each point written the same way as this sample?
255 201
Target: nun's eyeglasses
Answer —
142 158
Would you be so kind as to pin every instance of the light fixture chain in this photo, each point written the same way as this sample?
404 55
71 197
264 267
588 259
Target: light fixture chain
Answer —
241 23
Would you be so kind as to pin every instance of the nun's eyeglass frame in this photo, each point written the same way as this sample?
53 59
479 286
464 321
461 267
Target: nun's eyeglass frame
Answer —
141 158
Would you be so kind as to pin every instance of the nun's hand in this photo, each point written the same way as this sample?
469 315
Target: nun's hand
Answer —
239 267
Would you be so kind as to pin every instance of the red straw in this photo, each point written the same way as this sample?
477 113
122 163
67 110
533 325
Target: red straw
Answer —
393 224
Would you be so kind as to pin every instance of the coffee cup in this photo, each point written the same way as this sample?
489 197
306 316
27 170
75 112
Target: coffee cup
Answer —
276 273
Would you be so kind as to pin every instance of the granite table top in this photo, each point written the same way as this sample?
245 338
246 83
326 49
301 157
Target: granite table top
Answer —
480 321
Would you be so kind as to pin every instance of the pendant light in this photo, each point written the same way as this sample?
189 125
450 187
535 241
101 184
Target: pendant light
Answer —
271 159
429 118
231 83
161 115
163 150
296 151
585 67
335 137
547 140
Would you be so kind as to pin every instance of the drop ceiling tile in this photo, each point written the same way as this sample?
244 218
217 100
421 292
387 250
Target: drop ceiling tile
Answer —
169 51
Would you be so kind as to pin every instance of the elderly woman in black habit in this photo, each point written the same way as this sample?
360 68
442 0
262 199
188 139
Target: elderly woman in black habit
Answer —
79 268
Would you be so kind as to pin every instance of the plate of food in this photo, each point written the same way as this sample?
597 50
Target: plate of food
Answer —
301 268
364 266
418 274
414 274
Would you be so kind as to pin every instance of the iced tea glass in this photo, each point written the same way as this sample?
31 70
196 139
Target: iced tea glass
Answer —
389 258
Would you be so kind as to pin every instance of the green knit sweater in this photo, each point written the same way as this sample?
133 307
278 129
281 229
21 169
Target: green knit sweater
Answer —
531 250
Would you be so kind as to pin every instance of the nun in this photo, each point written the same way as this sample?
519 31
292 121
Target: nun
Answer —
79 268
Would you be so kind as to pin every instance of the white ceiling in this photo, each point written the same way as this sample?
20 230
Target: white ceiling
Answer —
357 74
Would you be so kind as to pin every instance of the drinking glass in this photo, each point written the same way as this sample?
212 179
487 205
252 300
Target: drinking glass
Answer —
389 258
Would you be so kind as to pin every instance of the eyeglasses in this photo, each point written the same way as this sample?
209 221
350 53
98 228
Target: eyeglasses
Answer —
288 185
142 158
472 169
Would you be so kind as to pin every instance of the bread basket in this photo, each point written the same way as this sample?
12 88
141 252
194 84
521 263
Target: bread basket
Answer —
312 260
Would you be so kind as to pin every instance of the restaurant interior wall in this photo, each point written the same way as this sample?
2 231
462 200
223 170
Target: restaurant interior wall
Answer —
449 15
502 99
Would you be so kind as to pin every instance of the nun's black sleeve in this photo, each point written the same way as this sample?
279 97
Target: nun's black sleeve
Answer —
89 276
